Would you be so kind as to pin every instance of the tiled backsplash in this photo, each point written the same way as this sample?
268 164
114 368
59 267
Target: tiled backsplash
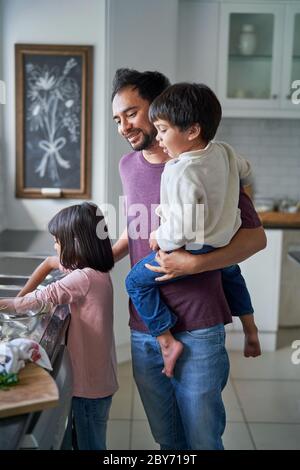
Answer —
273 148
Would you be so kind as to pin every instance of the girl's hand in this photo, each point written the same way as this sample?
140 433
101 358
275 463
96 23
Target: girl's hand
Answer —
7 305
175 264
153 242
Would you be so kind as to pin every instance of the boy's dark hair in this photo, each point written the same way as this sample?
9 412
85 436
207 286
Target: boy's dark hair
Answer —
184 104
149 84
77 229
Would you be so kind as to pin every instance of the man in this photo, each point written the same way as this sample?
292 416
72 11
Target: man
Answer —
185 412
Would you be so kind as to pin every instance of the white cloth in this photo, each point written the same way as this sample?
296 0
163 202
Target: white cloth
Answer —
14 353
211 177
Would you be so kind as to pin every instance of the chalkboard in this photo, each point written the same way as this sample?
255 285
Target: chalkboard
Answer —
53 120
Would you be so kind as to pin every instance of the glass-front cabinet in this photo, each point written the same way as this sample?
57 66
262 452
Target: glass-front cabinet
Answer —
295 69
291 66
259 59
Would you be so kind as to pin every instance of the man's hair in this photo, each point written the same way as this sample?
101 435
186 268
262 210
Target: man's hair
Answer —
76 229
149 84
185 104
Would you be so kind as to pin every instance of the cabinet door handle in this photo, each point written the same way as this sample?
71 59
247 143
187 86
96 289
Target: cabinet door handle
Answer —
274 97
289 96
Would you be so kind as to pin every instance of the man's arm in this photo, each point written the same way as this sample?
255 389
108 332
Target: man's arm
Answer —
244 244
50 263
120 248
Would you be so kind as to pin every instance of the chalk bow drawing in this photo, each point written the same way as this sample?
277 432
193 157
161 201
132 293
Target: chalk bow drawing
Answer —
54 111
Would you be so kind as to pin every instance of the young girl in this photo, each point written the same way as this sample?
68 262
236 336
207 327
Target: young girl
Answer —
86 256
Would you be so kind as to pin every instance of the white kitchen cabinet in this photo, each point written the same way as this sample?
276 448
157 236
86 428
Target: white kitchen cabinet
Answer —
291 57
289 309
262 273
259 58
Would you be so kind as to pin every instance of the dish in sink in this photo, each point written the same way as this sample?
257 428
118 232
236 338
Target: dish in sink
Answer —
14 325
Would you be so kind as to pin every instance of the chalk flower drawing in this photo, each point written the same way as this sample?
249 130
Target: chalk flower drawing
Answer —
54 108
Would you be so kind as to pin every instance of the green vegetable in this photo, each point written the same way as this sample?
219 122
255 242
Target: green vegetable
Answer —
7 379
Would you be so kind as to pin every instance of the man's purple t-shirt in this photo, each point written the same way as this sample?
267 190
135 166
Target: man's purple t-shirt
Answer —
198 301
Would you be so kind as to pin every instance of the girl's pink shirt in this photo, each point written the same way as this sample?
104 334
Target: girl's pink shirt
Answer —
91 344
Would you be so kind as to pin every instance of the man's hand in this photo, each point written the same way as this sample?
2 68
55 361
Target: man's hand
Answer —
244 244
175 264
153 242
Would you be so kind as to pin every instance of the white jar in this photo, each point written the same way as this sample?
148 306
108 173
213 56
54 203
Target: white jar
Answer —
247 43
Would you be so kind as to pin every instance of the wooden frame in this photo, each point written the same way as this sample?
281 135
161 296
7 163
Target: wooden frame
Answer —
53 121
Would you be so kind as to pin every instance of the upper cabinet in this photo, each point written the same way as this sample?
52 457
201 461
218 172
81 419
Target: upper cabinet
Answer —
259 59
291 55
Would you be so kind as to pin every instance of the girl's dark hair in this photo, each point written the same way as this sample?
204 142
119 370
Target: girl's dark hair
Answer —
149 84
185 104
83 237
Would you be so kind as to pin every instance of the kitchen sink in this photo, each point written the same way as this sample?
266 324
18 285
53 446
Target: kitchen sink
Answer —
21 325
18 265
10 286
15 270
9 292
15 281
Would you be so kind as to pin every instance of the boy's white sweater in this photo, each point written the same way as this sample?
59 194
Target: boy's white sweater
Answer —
211 177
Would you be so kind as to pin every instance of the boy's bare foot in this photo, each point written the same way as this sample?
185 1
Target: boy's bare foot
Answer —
170 353
252 345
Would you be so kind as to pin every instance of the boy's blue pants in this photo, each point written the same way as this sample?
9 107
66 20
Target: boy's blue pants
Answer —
144 293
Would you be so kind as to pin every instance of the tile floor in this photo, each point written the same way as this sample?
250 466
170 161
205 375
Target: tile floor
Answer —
262 400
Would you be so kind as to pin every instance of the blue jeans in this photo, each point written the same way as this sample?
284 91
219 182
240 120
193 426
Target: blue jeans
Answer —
90 417
144 293
186 411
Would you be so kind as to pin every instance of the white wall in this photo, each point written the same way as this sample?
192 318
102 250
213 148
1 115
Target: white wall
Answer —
198 37
2 216
53 22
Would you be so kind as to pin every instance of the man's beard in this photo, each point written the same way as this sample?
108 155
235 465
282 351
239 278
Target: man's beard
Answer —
147 141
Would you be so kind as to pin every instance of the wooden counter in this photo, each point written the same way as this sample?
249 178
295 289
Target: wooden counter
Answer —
280 219
35 391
